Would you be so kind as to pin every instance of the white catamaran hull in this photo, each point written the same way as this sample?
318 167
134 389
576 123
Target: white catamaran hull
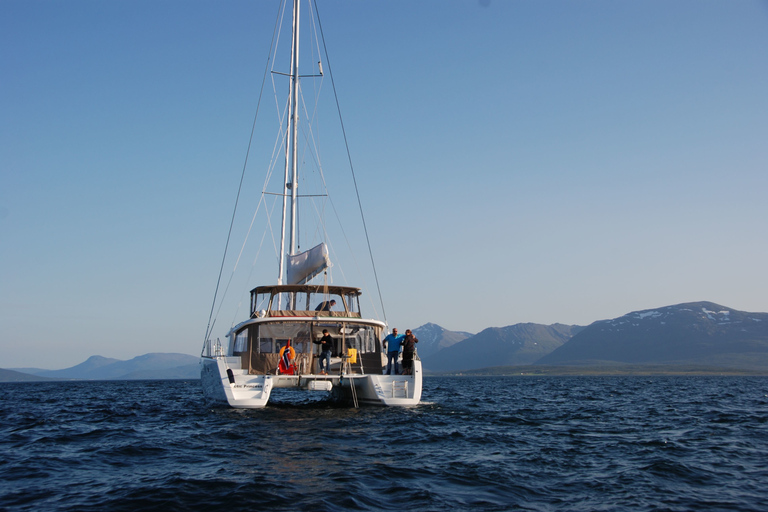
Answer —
225 383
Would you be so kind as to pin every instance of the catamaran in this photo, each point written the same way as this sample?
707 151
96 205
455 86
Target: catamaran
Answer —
276 347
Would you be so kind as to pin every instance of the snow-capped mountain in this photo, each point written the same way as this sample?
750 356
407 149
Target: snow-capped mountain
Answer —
691 333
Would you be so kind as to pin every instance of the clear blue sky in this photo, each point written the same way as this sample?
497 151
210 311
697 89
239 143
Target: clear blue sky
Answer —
519 161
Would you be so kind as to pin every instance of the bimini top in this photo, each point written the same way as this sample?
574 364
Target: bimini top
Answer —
305 300
307 288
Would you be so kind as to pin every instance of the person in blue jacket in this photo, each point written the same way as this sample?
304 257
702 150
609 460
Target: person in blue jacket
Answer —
393 343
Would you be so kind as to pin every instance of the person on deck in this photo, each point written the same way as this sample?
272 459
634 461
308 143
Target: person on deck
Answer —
393 342
326 347
326 305
409 347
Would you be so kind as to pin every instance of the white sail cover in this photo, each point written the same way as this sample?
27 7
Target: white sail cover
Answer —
304 266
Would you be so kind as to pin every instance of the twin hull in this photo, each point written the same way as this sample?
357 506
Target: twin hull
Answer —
224 382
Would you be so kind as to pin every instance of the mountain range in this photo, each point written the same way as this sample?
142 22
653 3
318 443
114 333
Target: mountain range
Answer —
519 344
147 366
433 339
701 333
696 334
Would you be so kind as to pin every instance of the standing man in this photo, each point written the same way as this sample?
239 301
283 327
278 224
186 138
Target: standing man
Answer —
326 347
393 342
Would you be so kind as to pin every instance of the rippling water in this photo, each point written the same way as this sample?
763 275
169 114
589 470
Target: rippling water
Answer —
522 443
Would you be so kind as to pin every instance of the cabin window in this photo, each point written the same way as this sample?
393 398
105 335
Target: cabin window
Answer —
281 301
266 345
241 342
301 302
273 337
354 303
360 337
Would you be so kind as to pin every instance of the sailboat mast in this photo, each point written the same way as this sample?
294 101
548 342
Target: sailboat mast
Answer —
291 150
295 115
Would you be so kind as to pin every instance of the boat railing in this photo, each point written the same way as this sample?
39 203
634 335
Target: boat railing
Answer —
283 313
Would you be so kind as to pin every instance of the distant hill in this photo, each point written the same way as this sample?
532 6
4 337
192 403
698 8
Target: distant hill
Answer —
16 376
91 365
147 366
189 371
701 333
518 344
433 338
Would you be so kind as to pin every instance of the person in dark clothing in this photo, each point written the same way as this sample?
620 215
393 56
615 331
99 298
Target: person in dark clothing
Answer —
409 347
326 348
326 305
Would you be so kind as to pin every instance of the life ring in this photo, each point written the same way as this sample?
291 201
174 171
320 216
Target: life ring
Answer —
292 352
286 364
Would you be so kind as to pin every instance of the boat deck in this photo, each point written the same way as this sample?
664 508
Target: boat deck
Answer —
305 381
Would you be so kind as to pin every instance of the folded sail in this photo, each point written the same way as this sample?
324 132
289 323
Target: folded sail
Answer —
304 266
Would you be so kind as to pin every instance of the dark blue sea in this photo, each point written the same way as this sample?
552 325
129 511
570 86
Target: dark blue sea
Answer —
507 443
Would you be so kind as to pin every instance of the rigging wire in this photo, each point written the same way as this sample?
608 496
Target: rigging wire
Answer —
349 157
240 186
211 319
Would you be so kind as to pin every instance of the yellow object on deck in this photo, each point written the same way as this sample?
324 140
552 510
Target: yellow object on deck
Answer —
352 354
